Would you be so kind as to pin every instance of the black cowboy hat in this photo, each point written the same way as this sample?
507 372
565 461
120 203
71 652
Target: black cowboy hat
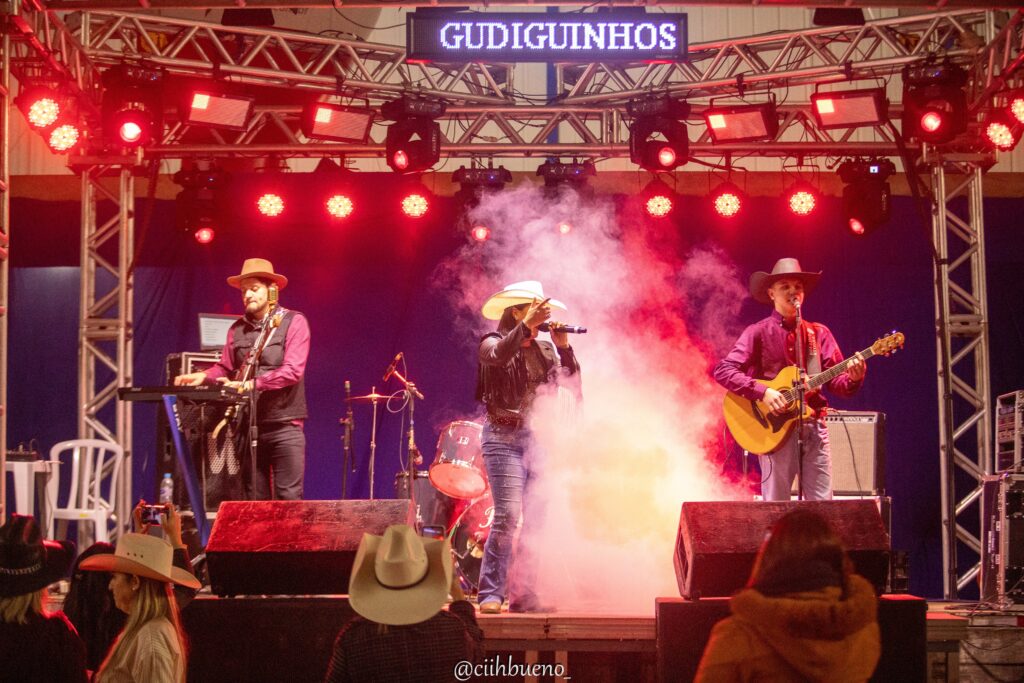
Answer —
27 562
761 281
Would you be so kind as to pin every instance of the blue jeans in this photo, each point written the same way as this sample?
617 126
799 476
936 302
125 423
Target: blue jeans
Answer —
780 468
508 472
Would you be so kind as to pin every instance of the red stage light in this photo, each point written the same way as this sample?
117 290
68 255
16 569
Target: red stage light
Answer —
658 206
204 235
339 206
63 138
1016 107
270 204
727 204
931 121
667 157
564 227
480 233
130 131
1000 135
400 160
43 112
415 205
856 227
802 201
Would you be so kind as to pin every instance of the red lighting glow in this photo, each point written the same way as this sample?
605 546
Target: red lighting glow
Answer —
931 121
63 138
856 227
414 205
130 131
658 206
200 101
43 112
339 206
1017 108
400 160
666 157
825 106
1001 136
480 233
565 228
204 235
727 204
270 204
802 202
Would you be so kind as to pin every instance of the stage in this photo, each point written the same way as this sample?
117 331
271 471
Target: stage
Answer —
272 638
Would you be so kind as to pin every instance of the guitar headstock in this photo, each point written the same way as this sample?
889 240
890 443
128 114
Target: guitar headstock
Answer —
888 344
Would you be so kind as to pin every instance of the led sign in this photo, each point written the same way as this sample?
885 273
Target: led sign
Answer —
450 36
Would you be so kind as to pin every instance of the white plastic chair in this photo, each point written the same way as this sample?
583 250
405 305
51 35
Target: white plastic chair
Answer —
92 496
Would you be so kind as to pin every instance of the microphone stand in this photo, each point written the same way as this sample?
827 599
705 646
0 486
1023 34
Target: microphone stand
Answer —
373 438
250 371
800 446
348 424
412 393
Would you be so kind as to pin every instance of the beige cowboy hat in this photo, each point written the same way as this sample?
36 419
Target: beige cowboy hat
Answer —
761 281
516 294
261 268
400 578
141 555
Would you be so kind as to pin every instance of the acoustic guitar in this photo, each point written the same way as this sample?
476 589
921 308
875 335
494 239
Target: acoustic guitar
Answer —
752 423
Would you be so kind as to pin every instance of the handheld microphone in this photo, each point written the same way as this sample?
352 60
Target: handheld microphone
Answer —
571 329
795 300
391 368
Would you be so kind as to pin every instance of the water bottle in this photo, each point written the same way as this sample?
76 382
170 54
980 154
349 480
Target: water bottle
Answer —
167 489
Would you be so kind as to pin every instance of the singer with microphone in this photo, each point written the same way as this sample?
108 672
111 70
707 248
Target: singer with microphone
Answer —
512 364
784 339
278 381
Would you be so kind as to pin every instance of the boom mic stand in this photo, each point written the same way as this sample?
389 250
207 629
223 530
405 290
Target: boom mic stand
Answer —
801 398
349 424
414 458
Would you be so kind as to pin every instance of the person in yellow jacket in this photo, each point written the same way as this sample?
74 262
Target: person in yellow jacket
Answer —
804 615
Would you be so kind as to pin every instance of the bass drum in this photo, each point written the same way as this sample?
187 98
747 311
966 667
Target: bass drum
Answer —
433 508
469 534
458 468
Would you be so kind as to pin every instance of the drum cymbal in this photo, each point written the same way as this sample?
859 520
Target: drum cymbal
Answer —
369 397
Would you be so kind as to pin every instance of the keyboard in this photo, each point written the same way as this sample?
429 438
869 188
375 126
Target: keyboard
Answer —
203 394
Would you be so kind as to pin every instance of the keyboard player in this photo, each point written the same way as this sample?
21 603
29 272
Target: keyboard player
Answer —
279 381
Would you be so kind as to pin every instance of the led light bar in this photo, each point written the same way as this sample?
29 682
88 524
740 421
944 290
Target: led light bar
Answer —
850 108
324 121
742 123
218 110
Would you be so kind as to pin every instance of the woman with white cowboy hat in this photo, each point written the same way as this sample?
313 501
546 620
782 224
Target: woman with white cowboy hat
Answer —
151 648
399 585
34 645
513 363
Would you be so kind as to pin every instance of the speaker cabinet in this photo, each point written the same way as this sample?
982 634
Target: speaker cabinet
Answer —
293 547
857 440
718 541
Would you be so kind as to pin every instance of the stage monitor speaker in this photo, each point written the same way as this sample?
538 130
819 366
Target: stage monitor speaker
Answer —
718 541
857 440
293 547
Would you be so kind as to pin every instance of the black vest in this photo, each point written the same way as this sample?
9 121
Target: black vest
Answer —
275 405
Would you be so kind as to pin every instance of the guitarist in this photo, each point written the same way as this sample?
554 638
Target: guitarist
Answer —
768 346
281 405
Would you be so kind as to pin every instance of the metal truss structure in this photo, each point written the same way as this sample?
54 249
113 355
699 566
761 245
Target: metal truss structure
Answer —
965 401
106 316
5 231
488 116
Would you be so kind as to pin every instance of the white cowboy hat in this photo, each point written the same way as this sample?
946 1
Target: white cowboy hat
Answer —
258 268
400 578
142 555
515 294
761 281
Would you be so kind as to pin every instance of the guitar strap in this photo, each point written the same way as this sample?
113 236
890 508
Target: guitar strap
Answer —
813 350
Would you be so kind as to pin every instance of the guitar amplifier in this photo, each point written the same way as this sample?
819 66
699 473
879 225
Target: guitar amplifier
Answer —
857 440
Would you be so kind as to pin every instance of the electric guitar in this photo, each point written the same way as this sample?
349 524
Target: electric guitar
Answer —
752 423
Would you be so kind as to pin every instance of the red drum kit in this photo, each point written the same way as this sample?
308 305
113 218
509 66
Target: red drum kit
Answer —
459 485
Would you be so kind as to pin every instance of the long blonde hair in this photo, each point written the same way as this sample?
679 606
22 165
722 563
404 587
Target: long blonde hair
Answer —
154 600
15 610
